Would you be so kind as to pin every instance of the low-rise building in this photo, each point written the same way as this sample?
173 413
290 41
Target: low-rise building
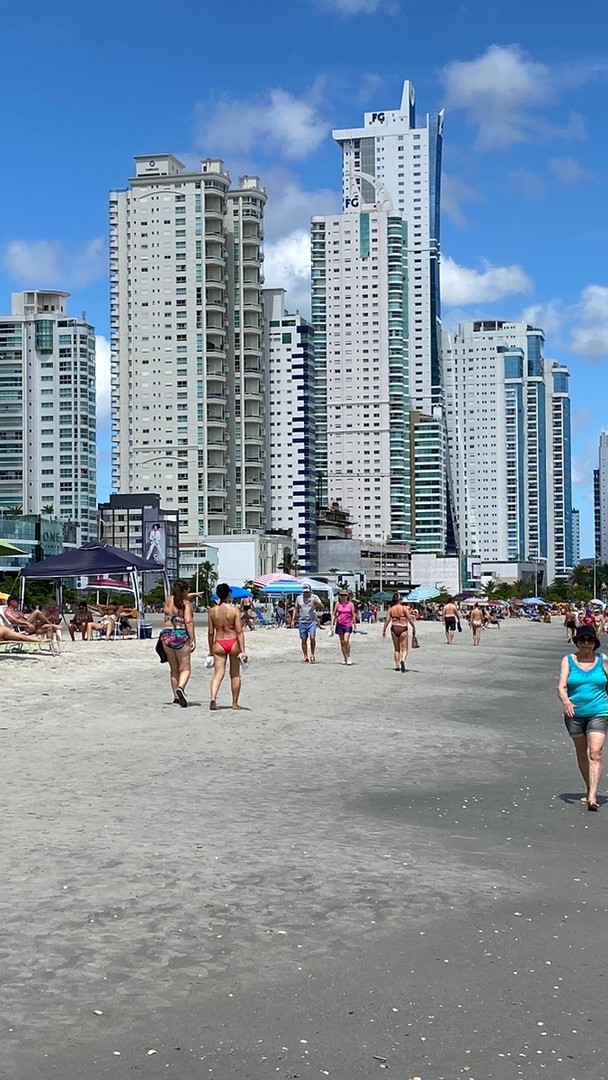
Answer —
137 523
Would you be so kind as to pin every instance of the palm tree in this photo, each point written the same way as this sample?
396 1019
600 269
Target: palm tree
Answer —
489 589
289 563
206 580
48 509
14 511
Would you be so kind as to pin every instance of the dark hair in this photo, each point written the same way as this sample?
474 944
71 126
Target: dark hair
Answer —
395 599
223 591
180 588
12 600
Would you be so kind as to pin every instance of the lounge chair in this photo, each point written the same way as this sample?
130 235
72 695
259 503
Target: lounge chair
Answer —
51 644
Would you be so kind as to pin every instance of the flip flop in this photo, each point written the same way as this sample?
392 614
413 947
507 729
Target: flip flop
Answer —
593 806
213 706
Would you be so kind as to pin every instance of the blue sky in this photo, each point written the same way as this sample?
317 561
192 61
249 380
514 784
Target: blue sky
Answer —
84 87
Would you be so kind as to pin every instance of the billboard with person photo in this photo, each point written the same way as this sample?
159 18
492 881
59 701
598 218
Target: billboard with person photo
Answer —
154 537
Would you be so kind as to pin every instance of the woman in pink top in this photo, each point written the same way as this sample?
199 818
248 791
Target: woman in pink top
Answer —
344 623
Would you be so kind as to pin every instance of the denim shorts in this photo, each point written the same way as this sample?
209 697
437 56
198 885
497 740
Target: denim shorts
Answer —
307 629
580 725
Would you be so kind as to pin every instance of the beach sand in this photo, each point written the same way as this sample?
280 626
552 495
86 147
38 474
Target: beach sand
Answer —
361 869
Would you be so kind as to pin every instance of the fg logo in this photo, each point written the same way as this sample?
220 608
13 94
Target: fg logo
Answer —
379 116
354 201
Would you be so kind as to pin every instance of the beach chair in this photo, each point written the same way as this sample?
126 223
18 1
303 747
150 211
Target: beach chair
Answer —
50 645
263 620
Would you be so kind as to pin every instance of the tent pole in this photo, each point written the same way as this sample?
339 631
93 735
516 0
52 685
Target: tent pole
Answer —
135 584
21 591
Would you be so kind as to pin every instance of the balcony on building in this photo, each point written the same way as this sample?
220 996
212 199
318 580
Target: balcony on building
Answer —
214 298
253 388
216 461
214 251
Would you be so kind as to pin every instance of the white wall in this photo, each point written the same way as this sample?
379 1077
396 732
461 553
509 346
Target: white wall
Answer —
236 561
431 570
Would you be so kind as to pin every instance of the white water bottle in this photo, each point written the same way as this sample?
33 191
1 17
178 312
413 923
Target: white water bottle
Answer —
244 663
209 661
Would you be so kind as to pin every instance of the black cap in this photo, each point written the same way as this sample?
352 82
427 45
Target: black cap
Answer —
587 632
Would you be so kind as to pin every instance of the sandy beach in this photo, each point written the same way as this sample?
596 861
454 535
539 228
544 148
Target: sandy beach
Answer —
361 870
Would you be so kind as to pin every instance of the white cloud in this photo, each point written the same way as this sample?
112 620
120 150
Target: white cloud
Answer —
502 91
545 316
48 264
102 373
568 170
278 122
287 266
589 337
290 206
454 192
463 285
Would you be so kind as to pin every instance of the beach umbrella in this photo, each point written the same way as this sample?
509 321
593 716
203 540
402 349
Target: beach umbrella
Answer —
472 600
598 603
282 588
6 548
110 584
422 593
268 579
236 592
382 596
534 600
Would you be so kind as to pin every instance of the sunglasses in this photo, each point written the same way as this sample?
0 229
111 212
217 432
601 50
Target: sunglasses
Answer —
585 641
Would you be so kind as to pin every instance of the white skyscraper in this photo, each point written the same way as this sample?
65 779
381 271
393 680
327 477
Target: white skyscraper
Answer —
375 308
600 485
508 420
47 410
289 367
186 324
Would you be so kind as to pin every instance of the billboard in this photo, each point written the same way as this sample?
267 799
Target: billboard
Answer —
154 537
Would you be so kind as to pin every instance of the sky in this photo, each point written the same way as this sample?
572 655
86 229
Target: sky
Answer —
85 87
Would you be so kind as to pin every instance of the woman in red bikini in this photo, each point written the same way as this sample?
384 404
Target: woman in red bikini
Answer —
226 640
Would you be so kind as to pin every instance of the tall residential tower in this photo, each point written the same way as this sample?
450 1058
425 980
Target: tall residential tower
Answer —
600 499
47 411
375 306
186 329
508 420
290 370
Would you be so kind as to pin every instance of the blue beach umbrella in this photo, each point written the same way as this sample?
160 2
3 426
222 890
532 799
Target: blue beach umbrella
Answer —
236 592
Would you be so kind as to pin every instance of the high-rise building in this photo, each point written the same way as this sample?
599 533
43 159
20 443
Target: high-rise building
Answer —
576 537
600 499
289 365
186 329
508 422
375 309
47 411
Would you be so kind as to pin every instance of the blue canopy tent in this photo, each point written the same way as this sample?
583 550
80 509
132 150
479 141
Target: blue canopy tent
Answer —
93 560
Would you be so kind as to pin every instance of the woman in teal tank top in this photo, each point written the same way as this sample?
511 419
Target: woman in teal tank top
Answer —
583 679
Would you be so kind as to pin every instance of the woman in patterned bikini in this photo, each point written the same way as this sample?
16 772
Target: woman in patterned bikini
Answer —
179 640
226 641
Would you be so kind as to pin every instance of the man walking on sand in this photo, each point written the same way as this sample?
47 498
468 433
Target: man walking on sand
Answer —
304 614
450 619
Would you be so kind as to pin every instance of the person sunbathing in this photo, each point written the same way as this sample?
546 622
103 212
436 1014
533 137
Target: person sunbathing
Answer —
106 625
27 624
6 634
82 618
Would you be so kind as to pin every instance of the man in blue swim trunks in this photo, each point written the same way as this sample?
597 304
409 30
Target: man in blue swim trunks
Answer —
304 614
